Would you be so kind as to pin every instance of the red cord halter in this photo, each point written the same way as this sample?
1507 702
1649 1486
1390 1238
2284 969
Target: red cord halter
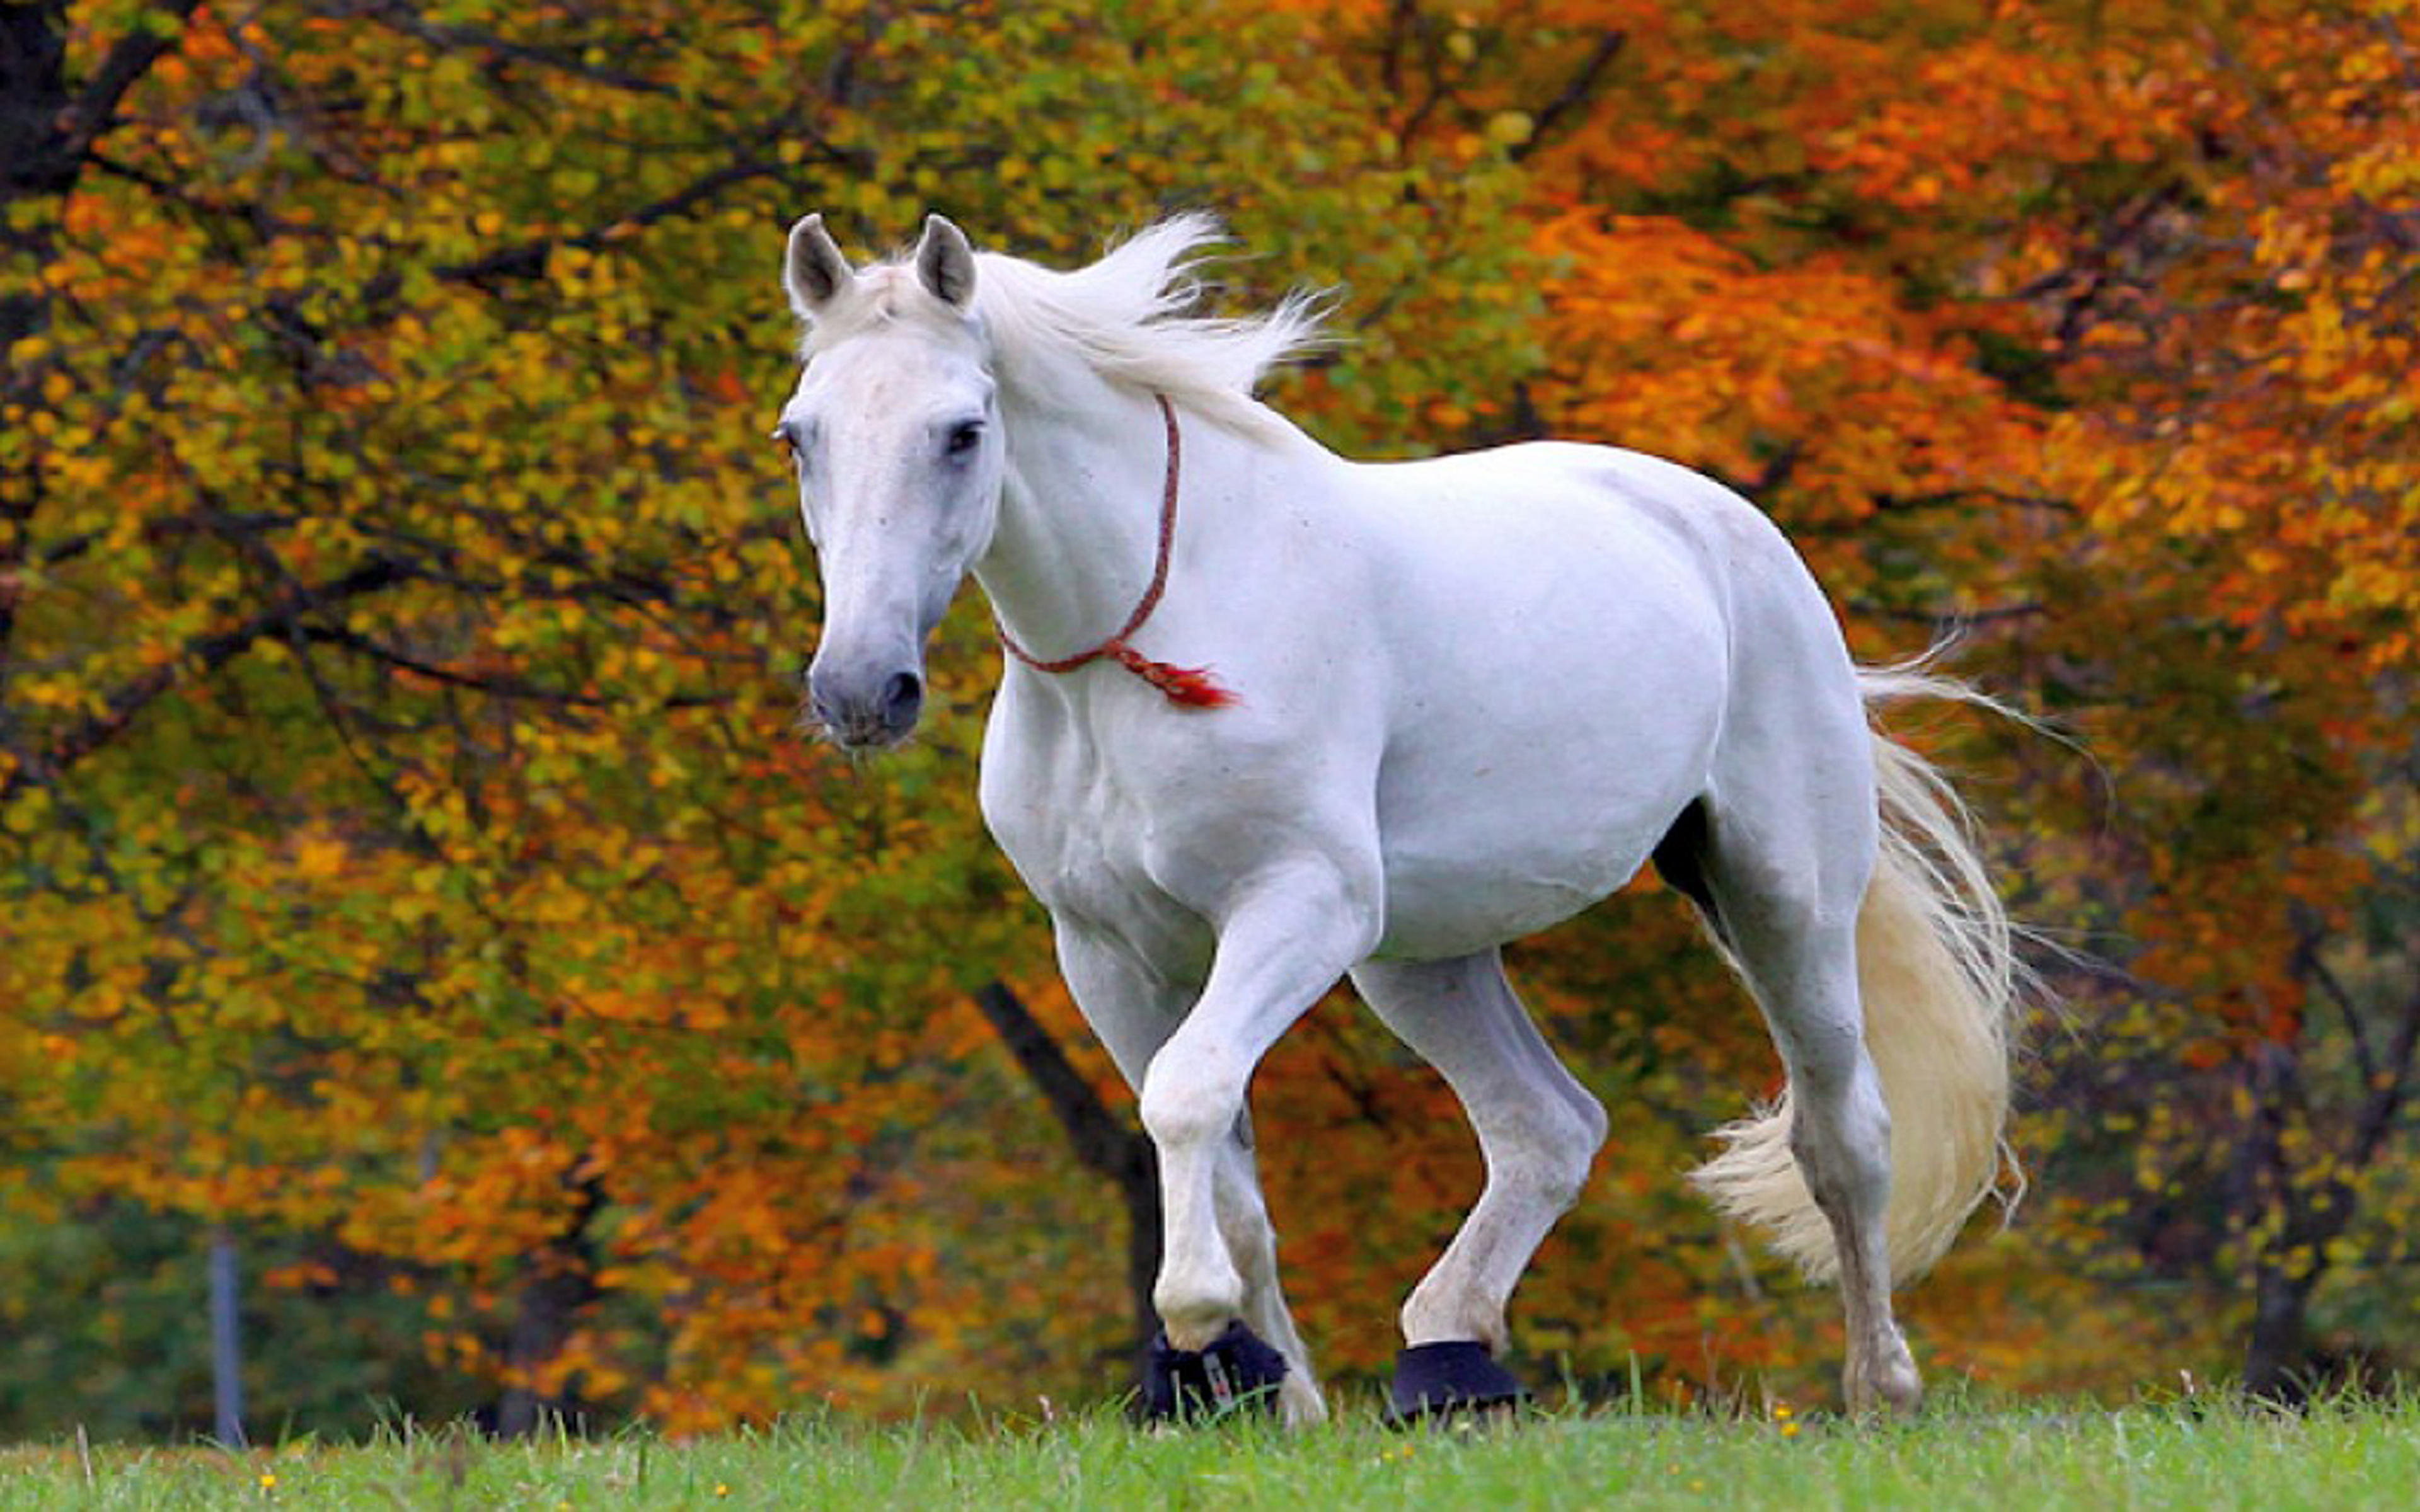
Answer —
1192 687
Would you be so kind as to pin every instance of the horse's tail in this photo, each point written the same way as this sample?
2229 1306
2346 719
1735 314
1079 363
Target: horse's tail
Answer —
1938 970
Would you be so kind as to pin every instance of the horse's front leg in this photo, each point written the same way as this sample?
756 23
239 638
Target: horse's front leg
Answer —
1133 1009
1282 941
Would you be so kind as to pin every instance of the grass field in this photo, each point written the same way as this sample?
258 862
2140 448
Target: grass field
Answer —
2178 1456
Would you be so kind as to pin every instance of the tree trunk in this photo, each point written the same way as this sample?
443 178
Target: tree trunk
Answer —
2279 1348
559 1287
1103 1142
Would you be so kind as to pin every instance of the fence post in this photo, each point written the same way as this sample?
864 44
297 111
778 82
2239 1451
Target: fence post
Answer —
226 1340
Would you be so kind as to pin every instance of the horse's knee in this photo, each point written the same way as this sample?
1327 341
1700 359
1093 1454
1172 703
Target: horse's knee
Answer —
1555 1149
1190 1100
1842 1143
1544 1142
1589 1124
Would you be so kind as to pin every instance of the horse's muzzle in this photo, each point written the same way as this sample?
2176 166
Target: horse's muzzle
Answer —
866 711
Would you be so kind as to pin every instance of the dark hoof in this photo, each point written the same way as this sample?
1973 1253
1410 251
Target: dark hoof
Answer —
1237 1372
1438 1381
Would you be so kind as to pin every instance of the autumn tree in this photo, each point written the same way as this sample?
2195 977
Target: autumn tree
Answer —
409 861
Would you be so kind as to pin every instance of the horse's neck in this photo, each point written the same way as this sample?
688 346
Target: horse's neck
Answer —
1079 522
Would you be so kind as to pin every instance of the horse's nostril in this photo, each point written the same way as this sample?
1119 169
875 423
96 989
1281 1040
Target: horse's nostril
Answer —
902 698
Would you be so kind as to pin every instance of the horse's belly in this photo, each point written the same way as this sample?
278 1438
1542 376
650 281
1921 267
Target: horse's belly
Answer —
1438 915
1480 879
1523 811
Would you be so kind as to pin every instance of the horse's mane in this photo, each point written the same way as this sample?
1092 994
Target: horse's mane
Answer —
1127 318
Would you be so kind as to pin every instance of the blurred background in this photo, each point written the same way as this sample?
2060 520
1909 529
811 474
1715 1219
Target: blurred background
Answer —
436 977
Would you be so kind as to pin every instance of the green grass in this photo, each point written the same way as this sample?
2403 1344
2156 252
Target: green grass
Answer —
2185 1455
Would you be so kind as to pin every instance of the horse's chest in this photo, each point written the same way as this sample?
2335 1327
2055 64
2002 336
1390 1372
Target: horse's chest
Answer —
1086 841
1084 855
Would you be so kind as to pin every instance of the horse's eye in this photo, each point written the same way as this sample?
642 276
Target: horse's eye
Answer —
965 437
789 445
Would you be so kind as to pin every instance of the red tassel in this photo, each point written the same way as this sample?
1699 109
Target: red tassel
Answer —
1192 687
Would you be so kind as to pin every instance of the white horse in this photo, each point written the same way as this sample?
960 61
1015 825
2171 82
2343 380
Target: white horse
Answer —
1431 707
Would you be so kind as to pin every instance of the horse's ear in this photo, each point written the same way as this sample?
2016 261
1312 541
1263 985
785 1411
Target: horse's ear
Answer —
815 272
945 263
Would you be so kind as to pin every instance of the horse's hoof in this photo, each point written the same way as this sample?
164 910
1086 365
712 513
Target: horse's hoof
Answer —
1237 1371
1884 1382
1886 1394
1456 1378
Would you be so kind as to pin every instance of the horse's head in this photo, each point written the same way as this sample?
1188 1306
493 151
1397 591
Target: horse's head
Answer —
893 431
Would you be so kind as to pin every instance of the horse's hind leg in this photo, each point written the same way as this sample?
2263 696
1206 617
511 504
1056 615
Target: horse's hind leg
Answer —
1538 1129
1788 846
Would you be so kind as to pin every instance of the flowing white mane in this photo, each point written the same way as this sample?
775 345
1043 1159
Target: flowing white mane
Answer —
1126 318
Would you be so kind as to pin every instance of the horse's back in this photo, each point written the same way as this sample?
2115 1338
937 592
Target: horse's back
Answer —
1564 625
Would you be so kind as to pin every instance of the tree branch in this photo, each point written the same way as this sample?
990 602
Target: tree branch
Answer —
406 19
2307 957
528 260
202 654
2389 1086
497 684
1873 609
1576 91
130 59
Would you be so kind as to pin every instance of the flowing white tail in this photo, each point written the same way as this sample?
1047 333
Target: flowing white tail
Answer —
1938 971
